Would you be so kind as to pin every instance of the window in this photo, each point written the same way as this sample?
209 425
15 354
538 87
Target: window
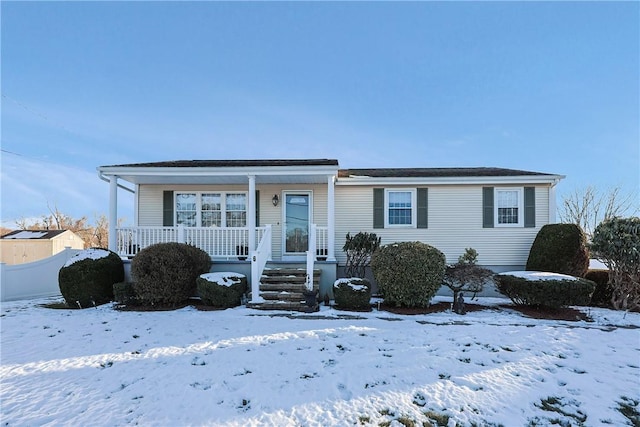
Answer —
400 208
186 209
211 212
509 207
211 209
236 208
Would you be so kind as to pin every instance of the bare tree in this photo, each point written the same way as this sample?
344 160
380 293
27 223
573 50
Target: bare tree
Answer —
93 235
589 206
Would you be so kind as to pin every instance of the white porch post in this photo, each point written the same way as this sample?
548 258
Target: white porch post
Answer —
113 212
331 216
251 214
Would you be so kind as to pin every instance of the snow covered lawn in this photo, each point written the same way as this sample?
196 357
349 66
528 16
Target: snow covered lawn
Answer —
240 367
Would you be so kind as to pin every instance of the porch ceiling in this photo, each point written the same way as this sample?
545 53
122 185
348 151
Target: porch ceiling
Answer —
176 179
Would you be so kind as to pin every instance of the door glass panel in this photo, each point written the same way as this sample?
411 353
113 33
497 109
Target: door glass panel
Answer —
296 222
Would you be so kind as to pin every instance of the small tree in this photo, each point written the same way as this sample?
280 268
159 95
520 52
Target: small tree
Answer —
465 275
616 242
359 250
589 206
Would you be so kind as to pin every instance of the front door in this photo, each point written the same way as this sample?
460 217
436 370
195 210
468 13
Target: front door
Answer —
297 217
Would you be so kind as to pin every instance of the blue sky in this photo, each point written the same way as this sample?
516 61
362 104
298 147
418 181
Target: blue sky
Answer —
543 86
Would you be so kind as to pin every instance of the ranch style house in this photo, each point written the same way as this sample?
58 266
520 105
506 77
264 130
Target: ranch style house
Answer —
252 216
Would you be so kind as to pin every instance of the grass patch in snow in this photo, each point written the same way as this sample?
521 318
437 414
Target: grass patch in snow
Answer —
566 409
629 409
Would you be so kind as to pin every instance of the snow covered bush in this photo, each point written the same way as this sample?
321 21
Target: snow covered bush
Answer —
166 273
616 242
352 293
409 273
541 289
222 289
559 248
87 278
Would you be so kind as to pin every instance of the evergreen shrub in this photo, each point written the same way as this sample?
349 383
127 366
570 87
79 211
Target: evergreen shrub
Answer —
616 242
124 294
352 293
87 278
552 293
166 273
221 289
408 274
602 294
559 248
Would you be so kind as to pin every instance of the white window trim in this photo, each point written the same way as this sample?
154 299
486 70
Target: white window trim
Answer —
520 191
414 208
223 205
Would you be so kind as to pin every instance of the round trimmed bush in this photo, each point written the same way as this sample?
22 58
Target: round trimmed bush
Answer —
166 273
352 293
541 289
222 289
408 274
560 248
87 278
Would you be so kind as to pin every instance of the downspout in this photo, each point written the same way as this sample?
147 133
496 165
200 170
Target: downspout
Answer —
552 202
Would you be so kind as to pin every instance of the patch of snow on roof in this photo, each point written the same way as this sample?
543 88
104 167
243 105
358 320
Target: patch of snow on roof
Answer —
224 278
539 275
26 234
93 253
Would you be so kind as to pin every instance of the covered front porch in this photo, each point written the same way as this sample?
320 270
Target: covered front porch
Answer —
221 243
244 212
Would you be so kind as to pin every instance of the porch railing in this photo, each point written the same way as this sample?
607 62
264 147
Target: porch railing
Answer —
218 242
259 259
321 241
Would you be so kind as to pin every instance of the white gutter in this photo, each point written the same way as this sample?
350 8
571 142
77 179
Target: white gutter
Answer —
451 180
124 187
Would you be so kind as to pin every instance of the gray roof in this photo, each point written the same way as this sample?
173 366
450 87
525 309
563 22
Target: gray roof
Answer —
233 163
32 234
436 172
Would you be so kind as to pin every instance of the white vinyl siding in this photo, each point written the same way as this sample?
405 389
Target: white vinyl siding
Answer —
455 223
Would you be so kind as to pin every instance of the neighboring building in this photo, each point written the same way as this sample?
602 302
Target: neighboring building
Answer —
270 208
21 246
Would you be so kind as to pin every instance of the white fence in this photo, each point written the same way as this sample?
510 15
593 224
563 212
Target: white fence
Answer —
31 280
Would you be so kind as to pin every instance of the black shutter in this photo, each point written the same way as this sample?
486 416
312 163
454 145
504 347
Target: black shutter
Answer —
378 208
487 207
257 208
423 207
167 208
529 206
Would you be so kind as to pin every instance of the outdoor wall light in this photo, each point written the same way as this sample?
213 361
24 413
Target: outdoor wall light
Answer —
275 200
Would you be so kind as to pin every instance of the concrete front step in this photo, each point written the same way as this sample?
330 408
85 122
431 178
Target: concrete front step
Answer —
277 271
282 296
282 289
288 287
287 279
283 305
